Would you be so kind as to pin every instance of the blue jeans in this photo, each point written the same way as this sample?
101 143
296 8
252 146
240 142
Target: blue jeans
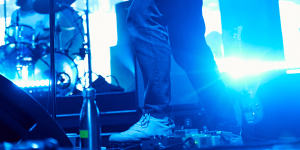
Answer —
161 28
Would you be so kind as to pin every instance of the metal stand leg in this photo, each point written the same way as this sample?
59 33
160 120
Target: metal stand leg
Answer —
90 126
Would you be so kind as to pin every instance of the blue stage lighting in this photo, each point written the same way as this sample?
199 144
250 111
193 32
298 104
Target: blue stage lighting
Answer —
293 71
31 83
238 68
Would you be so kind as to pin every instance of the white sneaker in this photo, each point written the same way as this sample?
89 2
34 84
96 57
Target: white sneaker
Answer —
147 127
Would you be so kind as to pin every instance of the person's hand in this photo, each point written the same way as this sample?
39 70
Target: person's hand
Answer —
42 33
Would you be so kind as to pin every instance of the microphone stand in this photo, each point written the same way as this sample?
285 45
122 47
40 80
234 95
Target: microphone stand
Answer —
52 59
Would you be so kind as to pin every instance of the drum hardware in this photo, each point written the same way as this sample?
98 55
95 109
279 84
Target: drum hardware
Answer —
66 72
63 80
29 50
34 65
43 7
24 68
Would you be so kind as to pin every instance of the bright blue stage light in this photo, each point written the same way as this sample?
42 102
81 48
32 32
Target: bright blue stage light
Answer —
293 71
239 68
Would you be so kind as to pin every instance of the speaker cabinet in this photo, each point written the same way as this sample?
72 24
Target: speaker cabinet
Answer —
23 118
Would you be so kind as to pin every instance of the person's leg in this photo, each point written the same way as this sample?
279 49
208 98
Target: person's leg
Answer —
190 50
150 42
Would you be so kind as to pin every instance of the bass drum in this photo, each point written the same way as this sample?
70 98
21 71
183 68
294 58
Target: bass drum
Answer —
66 72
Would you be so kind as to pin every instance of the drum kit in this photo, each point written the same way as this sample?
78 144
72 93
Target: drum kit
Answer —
26 57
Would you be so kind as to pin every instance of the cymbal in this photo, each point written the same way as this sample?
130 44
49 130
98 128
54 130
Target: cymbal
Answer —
72 28
42 6
67 28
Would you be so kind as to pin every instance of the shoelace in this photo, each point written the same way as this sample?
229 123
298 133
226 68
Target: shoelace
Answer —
145 120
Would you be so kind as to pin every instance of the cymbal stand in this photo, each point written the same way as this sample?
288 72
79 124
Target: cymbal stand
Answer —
22 69
90 115
58 31
5 15
88 44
